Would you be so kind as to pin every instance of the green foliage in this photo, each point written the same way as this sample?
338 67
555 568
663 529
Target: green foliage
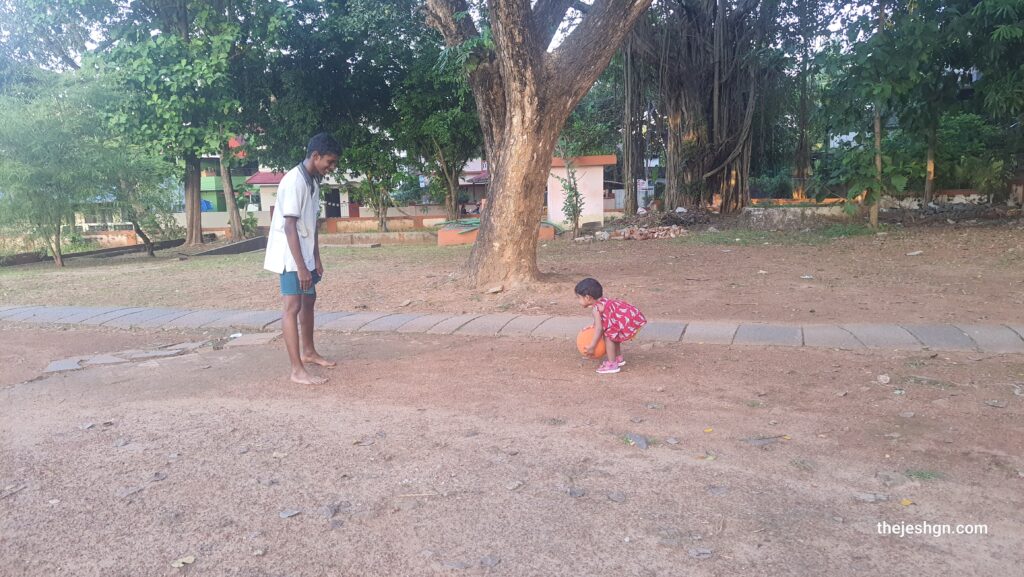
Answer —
50 150
250 225
779 185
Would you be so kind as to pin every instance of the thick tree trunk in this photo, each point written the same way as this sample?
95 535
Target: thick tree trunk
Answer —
193 208
506 247
803 147
234 219
524 94
929 181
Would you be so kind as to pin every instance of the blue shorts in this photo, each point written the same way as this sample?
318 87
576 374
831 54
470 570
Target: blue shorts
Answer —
290 284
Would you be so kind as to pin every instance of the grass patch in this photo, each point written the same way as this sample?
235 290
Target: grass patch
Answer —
923 475
747 237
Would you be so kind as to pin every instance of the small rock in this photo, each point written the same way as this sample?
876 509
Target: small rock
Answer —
489 561
405 303
807 277
915 253
637 420
616 496
121 442
514 485
495 290
899 392
907 414
762 272
884 379
636 440
892 436
288 513
243 450
891 479
871 497
259 553
842 393
86 426
278 455
660 389
235 335
996 403
655 406
713 229
701 553
577 492
179 563
837 519
672 440
773 422
157 477
364 442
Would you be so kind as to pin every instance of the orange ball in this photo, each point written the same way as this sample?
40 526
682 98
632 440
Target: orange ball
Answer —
583 341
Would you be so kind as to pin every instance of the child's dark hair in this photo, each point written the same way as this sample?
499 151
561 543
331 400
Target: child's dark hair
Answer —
323 144
589 287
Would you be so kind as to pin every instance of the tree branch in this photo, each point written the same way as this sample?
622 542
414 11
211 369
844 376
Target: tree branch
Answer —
441 16
584 53
547 17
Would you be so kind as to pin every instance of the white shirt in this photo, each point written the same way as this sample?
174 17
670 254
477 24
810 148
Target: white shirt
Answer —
298 195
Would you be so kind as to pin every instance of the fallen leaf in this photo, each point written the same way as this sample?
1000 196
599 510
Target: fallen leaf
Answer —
287 513
906 502
786 437
277 455
708 430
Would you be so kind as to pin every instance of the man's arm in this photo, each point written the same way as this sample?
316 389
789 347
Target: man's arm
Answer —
316 250
291 232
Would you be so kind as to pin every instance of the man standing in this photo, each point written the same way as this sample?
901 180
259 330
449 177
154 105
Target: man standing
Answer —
293 252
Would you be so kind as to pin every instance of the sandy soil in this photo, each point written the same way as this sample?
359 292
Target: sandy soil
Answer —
967 275
452 456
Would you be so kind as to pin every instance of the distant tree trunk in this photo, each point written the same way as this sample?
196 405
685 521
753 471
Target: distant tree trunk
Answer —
524 94
877 196
193 206
929 181
145 238
632 133
234 219
55 248
803 146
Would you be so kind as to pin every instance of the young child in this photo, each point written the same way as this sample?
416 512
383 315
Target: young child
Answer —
293 253
615 321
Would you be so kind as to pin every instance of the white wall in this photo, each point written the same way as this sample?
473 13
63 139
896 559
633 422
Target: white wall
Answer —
590 180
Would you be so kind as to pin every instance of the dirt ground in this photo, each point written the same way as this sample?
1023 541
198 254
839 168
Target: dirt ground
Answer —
971 275
451 456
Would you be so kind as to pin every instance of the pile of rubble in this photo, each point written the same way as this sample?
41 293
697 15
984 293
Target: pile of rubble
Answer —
960 213
636 233
658 219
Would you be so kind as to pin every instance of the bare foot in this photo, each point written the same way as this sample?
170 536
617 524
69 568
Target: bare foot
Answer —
316 359
304 378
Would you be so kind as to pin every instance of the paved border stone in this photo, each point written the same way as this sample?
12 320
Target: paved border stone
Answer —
487 325
85 313
830 336
105 317
1019 329
21 314
9 307
562 327
48 314
390 323
769 334
710 333
451 325
424 323
160 321
522 326
943 337
352 322
662 331
197 319
883 336
246 320
137 318
994 338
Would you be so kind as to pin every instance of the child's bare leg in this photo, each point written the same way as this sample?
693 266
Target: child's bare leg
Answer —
290 327
609 347
306 320
618 350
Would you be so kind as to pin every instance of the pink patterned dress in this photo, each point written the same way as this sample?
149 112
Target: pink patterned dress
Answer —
620 320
